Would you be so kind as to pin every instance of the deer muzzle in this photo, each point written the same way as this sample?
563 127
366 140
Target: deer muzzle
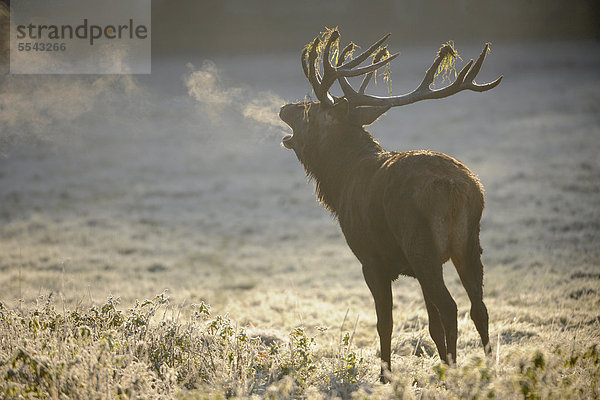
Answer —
287 114
287 141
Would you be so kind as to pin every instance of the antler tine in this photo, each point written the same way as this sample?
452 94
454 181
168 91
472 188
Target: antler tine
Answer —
486 86
312 73
312 59
329 72
454 87
470 78
475 70
463 72
327 67
363 86
365 54
363 70
352 95
430 73
348 90
306 70
303 61
344 54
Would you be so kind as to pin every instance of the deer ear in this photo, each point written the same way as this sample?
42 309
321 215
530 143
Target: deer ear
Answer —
340 109
367 115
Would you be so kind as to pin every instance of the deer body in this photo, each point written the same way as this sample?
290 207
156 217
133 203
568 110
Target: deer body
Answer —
402 213
378 215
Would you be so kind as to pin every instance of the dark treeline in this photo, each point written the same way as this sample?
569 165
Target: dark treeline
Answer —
274 25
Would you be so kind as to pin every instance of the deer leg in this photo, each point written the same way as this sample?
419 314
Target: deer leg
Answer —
432 284
425 260
436 329
381 289
470 269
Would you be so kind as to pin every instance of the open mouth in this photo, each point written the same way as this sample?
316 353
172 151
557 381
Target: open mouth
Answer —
287 141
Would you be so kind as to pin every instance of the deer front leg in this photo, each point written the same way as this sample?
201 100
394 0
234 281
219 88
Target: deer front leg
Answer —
381 289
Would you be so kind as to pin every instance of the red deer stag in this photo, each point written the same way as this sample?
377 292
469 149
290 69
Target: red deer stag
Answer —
402 213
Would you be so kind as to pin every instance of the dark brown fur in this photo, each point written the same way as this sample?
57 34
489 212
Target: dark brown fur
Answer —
401 214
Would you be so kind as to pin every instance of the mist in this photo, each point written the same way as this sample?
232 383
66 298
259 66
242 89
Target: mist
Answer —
221 102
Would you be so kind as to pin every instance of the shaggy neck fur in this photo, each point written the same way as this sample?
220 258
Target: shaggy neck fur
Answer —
332 160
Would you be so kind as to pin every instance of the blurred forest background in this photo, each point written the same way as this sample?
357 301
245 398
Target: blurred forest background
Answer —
189 26
272 25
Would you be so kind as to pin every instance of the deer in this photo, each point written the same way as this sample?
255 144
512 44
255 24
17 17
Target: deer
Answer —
401 213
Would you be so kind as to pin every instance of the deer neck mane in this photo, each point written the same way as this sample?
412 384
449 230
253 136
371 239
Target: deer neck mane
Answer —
334 160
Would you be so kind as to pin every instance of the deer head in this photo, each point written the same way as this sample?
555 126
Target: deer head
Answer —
311 122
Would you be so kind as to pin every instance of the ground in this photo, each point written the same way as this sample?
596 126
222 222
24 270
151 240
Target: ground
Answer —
162 183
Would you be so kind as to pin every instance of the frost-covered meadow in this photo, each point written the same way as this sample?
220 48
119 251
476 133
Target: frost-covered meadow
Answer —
129 186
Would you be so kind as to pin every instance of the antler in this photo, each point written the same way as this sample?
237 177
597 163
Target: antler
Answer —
320 84
465 80
367 107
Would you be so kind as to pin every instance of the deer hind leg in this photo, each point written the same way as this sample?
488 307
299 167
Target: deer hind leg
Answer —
381 289
432 284
436 329
426 260
425 255
467 260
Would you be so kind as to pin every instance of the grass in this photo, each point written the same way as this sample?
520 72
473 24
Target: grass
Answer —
155 349
149 351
